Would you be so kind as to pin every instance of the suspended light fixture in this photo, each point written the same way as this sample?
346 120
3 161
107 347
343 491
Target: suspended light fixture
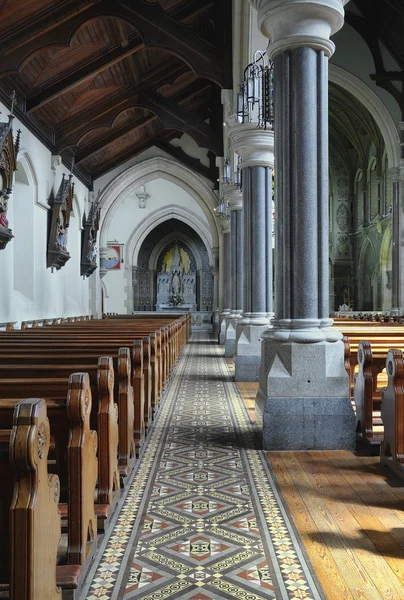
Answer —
222 209
237 174
255 101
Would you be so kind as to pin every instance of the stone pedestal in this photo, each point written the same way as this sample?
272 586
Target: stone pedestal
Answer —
303 401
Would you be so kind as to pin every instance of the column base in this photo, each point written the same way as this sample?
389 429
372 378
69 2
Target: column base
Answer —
247 356
303 402
306 423
230 339
222 327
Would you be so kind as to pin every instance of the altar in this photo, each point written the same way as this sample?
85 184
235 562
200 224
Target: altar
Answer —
176 282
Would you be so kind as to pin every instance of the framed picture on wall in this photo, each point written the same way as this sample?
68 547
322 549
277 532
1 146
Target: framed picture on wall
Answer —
113 257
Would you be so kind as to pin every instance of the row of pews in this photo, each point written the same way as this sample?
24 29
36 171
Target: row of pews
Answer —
77 400
374 361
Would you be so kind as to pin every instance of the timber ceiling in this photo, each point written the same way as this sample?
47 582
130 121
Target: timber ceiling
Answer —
100 81
381 24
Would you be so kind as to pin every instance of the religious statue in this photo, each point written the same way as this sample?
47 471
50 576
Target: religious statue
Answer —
176 284
60 237
4 196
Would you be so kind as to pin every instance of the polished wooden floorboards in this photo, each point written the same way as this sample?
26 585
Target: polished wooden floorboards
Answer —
349 512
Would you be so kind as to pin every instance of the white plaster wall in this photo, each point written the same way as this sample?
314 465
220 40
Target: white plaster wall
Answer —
126 221
28 290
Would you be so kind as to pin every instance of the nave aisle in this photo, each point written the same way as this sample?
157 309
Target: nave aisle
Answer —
202 519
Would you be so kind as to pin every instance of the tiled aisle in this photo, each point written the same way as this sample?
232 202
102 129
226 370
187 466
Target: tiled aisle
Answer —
202 519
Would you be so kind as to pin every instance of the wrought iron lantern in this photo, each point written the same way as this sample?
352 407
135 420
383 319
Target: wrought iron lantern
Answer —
255 101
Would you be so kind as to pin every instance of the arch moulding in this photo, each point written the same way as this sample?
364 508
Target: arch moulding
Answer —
157 168
374 105
157 217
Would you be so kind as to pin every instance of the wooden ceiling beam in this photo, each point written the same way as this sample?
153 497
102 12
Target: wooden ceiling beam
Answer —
42 21
95 64
14 58
87 70
174 117
95 146
123 158
90 149
160 31
70 131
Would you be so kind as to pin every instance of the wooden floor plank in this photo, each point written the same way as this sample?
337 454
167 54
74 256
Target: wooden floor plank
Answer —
352 572
380 553
323 562
361 546
349 512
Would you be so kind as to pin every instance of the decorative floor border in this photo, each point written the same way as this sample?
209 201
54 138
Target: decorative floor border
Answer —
291 575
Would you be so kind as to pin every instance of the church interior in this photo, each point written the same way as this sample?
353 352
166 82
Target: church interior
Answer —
201 299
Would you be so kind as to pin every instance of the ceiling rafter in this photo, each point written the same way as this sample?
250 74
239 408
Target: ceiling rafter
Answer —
160 31
87 70
90 149
42 21
94 65
70 131
85 152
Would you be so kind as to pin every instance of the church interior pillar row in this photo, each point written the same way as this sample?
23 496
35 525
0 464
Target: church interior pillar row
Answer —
233 197
256 149
303 400
224 273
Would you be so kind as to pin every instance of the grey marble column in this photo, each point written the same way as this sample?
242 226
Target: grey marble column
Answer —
233 197
255 147
215 303
303 400
225 274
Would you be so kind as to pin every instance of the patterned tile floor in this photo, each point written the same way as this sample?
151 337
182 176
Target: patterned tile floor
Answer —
203 519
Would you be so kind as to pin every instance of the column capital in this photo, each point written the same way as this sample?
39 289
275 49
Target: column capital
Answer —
254 146
300 23
233 196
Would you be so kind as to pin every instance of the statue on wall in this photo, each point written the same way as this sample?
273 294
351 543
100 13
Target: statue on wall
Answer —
59 220
8 164
89 234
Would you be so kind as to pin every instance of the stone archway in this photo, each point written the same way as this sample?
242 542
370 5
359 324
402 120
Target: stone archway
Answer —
159 167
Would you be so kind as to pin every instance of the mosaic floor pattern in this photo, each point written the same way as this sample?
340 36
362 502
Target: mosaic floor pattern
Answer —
203 519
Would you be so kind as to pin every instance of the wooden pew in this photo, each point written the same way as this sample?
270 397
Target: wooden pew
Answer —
30 521
105 416
392 448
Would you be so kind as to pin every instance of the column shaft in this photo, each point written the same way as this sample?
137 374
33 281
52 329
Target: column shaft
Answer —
227 269
240 259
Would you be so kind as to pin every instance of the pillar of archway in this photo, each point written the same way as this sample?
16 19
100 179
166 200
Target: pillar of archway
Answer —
225 280
303 397
234 199
256 149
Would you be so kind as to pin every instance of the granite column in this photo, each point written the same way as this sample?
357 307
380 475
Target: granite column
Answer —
233 197
303 400
256 149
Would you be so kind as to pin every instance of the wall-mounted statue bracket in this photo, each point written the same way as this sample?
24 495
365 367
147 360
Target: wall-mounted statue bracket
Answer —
89 233
8 164
58 224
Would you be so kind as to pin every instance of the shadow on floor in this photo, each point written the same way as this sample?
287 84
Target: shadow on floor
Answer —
391 547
